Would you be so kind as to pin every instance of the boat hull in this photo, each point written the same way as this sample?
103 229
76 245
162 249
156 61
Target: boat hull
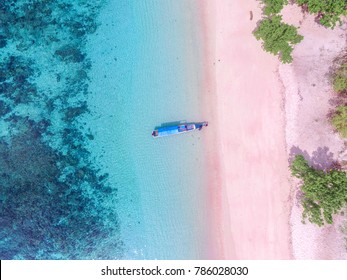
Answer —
178 129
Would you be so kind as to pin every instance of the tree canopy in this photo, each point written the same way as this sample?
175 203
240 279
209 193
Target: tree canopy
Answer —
340 79
339 120
329 12
324 193
273 7
278 37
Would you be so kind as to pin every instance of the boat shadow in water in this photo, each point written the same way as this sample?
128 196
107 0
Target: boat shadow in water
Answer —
171 124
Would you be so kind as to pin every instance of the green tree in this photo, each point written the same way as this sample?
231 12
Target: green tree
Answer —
273 7
329 12
339 120
278 37
324 193
340 79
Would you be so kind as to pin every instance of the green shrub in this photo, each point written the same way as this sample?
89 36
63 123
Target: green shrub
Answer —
340 79
278 37
339 120
324 193
273 7
328 11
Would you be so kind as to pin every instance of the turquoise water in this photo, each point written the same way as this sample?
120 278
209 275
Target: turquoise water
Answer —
53 196
82 85
146 71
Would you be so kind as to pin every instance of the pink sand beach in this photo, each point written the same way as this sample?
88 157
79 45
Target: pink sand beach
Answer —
253 120
251 188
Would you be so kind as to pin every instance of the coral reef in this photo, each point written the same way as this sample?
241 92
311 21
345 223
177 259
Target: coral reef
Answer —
55 203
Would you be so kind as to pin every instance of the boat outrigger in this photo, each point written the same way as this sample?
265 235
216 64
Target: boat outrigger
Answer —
178 129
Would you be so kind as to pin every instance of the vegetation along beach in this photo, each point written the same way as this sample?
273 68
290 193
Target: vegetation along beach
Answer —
256 90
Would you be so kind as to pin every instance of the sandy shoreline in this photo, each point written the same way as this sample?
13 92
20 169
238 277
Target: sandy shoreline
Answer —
261 113
250 183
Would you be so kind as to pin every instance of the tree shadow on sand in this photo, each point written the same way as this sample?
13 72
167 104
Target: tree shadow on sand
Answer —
321 158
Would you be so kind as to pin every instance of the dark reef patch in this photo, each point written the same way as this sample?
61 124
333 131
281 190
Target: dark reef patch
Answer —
55 203
72 113
70 53
4 108
3 41
41 212
15 73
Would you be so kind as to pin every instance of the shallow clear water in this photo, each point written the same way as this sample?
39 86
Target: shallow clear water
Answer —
145 71
82 85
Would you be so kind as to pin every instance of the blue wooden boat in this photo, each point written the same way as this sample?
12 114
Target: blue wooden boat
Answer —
177 129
